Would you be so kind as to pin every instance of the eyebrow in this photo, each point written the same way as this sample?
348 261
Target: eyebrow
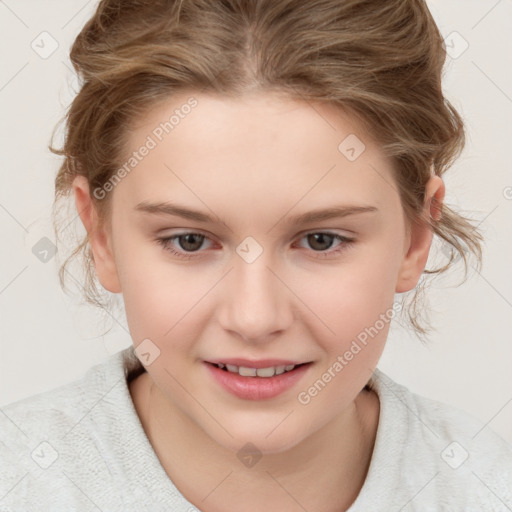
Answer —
166 208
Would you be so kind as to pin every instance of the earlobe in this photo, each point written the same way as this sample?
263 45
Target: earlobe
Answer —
420 239
99 238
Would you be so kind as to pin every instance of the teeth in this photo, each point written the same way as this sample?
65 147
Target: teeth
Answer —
259 372
264 372
247 372
279 370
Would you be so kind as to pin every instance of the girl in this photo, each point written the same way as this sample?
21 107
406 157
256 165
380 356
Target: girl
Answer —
212 151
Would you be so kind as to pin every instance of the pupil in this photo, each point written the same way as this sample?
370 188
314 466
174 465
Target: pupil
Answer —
319 237
187 241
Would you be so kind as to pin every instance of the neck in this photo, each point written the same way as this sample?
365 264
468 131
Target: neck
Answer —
326 471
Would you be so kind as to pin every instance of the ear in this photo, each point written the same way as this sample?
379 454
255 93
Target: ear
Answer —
99 237
420 238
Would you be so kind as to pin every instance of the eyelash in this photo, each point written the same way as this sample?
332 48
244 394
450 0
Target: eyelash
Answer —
165 243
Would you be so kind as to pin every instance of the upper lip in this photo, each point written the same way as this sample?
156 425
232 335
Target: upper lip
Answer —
261 363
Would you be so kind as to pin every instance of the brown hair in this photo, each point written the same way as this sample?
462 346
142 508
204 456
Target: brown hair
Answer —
381 61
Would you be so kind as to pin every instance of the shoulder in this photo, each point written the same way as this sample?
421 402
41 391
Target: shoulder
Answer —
46 438
59 409
437 456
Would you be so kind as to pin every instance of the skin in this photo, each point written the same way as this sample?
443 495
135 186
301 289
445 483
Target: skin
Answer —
253 162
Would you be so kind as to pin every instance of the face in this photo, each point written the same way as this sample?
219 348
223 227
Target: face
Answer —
254 282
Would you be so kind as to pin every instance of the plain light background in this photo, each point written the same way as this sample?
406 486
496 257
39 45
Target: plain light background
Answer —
47 339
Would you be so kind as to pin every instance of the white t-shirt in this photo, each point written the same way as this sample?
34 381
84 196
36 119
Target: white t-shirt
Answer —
81 447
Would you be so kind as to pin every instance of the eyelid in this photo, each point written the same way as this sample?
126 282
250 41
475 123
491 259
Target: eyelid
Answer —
329 231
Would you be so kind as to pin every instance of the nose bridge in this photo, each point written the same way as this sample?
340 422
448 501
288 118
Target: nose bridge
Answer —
256 303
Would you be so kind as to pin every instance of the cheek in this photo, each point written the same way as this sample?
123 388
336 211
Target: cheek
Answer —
356 311
156 294
159 306
350 296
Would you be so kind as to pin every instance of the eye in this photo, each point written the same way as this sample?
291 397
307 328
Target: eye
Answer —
191 242
188 241
319 239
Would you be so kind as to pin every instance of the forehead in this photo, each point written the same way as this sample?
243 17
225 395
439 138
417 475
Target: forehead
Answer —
261 145
269 118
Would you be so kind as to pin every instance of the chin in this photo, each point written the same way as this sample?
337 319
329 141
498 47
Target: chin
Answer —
265 441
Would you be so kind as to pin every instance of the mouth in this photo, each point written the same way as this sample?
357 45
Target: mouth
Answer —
257 380
260 371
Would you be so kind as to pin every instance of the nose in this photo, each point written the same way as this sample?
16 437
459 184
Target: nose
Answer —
256 304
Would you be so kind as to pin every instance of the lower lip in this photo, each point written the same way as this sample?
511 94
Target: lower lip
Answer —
257 388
